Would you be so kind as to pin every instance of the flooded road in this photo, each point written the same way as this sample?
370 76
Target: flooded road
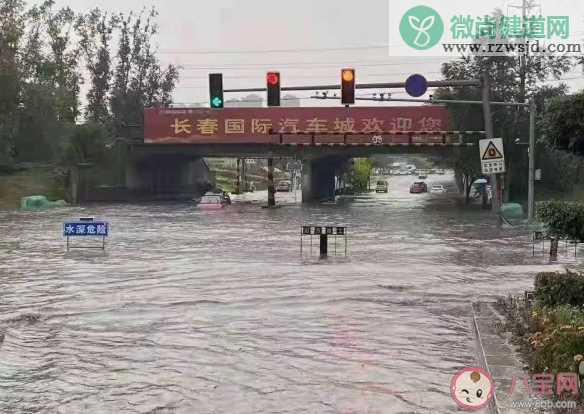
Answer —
215 312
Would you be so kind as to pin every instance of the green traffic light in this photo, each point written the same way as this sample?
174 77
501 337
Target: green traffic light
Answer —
216 102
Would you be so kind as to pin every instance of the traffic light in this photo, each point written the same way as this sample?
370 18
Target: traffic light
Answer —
216 90
273 81
348 86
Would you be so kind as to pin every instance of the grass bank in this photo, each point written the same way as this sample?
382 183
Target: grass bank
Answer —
548 325
28 181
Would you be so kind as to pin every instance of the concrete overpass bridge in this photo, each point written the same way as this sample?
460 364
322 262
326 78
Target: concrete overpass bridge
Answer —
168 163
321 162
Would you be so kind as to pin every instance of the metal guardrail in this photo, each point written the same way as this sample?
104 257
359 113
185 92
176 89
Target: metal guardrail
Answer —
542 236
482 360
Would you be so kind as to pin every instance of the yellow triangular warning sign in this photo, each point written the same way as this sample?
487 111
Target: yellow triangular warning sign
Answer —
492 153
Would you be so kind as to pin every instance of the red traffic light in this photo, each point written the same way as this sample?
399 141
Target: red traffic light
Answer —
273 78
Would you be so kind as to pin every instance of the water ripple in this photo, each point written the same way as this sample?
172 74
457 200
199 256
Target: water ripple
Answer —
218 313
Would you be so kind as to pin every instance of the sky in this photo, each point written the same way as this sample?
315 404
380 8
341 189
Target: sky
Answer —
308 41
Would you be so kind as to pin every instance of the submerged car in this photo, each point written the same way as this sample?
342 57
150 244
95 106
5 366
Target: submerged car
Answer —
284 187
381 187
214 201
438 188
419 187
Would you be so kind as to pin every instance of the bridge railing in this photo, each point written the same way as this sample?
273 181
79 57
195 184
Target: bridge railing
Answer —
388 138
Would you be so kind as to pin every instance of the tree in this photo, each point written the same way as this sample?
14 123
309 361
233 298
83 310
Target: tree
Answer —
467 168
361 174
49 82
506 74
12 22
63 61
40 75
95 31
563 220
563 124
139 80
86 143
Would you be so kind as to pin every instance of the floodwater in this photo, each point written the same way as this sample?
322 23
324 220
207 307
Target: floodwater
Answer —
216 312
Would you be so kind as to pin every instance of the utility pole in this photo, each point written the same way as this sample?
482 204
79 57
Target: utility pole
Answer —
490 135
523 57
271 189
244 175
526 6
238 184
531 186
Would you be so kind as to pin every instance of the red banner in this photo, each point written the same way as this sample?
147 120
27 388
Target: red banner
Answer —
264 125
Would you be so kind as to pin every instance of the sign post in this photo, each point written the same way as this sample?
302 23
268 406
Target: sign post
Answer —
323 232
416 85
86 227
492 163
492 156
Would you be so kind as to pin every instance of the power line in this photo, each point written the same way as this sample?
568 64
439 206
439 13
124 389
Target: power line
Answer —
260 76
567 79
361 63
256 51
296 98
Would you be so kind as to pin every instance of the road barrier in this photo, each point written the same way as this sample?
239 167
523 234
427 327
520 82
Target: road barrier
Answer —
323 233
541 237
86 227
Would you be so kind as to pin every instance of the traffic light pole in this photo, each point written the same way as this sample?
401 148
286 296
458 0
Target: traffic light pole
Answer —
487 115
273 92
389 85
271 188
431 84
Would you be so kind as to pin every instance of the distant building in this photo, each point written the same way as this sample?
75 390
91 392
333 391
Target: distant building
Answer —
185 105
249 101
290 101
256 101
232 103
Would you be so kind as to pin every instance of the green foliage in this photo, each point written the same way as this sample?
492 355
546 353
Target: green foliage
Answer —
86 144
555 289
563 124
42 51
562 170
558 338
11 34
95 30
360 174
467 168
562 219
138 79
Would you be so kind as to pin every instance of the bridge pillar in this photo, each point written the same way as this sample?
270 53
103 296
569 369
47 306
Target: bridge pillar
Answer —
318 179
306 181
